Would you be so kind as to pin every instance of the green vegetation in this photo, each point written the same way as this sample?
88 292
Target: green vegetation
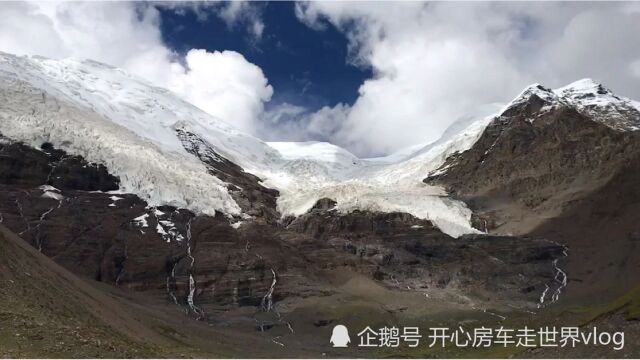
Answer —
627 305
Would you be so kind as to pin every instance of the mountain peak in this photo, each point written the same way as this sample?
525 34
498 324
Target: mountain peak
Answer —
585 95
584 87
583 83
531 100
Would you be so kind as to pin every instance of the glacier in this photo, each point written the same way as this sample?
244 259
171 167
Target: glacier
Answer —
113 118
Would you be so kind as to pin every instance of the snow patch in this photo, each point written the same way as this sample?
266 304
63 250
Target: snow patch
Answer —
48 188
114 199
52 195
142 220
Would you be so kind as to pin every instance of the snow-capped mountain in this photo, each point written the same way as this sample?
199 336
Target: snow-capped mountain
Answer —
589 98
127 184
110 117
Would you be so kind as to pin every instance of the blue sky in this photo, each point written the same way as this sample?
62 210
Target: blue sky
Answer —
306 67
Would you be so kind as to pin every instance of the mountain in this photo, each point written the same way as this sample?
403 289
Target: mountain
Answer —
156 144
562 164
137 193
47 306
109 117
47 311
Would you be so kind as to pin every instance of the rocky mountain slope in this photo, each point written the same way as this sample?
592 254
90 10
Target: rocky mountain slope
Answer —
280 281
47 311
177 254
142 195
560 164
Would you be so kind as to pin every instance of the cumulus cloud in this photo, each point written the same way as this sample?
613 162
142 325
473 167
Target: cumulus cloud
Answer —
128 35
288 122
223 84
234 13
436 62
242 12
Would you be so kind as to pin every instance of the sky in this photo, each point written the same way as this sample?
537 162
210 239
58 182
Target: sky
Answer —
302 64
372 77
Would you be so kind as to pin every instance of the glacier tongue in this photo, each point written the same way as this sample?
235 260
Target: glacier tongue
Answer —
371 184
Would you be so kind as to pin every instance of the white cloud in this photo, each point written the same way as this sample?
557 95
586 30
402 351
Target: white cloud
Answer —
436 62
128 35
233 13
635 68
288 122
225 85
242 12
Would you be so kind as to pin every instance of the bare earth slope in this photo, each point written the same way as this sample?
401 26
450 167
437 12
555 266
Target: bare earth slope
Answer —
49 312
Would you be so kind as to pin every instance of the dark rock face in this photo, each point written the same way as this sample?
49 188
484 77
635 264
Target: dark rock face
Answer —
559 175
407 252
324 204
263 268
199 262
253 198
528 166
601 230
22 166
72 172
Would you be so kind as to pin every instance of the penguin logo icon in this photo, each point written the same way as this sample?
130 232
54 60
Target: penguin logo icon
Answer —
340 336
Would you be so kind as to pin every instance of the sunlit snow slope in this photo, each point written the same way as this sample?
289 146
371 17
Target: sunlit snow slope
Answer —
110 117
373 184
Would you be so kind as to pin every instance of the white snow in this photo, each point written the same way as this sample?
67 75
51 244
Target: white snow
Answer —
52 195
142 220
110 117
587 96
373 184
48 188
317 151
114 199
538 90
587 93
160 231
